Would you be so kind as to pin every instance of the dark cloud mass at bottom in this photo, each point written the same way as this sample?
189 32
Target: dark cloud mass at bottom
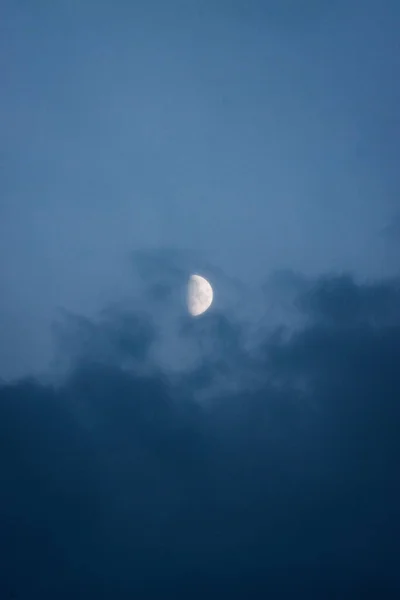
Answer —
118 483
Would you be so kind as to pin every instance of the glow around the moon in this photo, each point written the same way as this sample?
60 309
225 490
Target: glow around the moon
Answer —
200 295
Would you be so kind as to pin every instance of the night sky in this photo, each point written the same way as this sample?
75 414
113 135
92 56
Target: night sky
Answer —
253 451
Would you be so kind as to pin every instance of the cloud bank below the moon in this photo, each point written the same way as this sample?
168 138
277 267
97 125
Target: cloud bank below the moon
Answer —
285 485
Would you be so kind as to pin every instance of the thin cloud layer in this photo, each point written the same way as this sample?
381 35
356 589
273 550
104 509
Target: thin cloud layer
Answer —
118 483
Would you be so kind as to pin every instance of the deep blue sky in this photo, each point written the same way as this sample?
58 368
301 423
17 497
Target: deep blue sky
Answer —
261 135
253 452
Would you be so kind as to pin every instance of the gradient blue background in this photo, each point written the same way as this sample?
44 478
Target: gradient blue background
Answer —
253 452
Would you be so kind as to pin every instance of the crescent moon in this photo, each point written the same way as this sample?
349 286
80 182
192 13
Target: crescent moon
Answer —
200 295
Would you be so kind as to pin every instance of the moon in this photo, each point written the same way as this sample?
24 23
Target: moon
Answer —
200 295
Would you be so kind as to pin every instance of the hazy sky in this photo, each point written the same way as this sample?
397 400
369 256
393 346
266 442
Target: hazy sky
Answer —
257 134
256 142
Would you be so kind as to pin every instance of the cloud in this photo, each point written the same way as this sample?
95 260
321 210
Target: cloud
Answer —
117 481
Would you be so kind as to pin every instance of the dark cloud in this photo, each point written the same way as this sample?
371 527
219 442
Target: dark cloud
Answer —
117 483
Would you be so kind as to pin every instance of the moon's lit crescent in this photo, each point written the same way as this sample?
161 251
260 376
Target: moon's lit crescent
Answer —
200 295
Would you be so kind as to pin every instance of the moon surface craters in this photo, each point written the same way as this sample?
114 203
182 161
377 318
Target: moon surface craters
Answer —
200 295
